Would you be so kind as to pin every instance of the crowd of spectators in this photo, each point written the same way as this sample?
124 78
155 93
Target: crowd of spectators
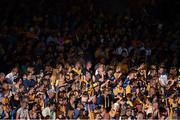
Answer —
78 62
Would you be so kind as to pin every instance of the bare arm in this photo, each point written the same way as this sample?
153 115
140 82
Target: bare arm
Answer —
28 118
17 115
6 115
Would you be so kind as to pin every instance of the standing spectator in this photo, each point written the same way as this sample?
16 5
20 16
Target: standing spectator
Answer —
49 112
12 75
22 112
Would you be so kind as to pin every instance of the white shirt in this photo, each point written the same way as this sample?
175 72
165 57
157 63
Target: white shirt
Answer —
11 77
163 79
48 112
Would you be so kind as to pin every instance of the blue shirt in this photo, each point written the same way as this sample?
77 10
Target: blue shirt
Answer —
91 106
126 83
29 83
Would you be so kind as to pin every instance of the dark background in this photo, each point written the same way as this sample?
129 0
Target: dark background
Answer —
166 10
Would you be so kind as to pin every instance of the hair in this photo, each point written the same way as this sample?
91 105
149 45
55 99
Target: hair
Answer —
17 80
2 74
51 103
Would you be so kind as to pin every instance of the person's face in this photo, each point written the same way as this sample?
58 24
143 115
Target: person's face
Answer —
2 77
161 70
31 91
94 99
1 108
20 81
78 65
41 88
98 117
137 90
5 86
24 105
152 91
29 77
155 105
106 92
120 84
140 116
60 68
89 65
147 101
73 99
128 112
139 107
52 107
101 68
51 95
15 71
97 88
122 102
61 101
34 107
45 82
110 72
88 76
64 102
16 97
118 69
31 70
131 76
173 71
154 73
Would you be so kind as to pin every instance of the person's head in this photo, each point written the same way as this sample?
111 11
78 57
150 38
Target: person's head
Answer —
15 71
94 99
21 88
100 68
152 91
5 85
78 65
2 76
137 90
72 99
98 117
34 107
173 71
150 116
1 107
88 76
161 68
31 91
88 65
120 84
128 112
129 96
148 100
30 70
16 97
155 105
118 69
51 94
24 104
97 87
70 114
132 75
140 116
106 91
45 82
110 72
52 106
59 67
18 81
29 77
